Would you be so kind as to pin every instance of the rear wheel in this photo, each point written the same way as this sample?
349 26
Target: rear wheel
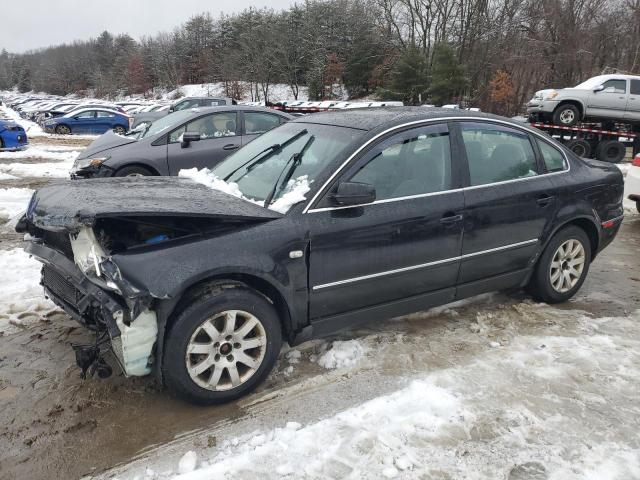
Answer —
134 171
63 130
222 345
566 115
119 129
563 266
611 151
580 147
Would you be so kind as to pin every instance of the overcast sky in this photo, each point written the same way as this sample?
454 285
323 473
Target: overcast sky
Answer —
30 24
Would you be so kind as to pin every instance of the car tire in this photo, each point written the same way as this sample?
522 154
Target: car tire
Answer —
566 115
201 327
570 247
62 130
134 171
119 129
580 147
611 151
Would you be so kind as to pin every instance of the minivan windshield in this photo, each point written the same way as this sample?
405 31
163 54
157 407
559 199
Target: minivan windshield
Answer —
289 152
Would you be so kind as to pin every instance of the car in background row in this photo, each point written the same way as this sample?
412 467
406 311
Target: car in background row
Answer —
95 120
183 104
632 182
12 135
200 137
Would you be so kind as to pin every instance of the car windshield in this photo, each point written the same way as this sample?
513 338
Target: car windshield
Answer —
292 151
164 123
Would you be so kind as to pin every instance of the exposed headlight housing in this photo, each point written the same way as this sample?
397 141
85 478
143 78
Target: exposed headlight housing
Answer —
94 162
87 252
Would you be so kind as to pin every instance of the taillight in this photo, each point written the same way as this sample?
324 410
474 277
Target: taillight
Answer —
636 161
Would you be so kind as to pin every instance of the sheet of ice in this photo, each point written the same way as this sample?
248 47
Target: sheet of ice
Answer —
21 297
46 169
342 354
13 201
294 192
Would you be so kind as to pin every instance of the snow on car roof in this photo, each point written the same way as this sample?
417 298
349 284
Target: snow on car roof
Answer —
600 79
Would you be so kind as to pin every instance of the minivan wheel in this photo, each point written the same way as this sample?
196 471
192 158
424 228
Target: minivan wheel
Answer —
221 346
63 130
133 171
566 115
563 266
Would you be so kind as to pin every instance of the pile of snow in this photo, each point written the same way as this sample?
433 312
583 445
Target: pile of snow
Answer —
342 354
58 170
21 296
59 153
294 192
32 128
13 201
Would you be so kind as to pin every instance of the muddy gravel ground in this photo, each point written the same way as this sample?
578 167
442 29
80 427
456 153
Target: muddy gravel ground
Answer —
55 425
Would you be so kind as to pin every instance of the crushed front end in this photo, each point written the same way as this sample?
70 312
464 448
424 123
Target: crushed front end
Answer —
79 277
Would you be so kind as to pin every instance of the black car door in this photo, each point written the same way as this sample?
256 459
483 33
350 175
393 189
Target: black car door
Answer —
508 204
405 244
219 137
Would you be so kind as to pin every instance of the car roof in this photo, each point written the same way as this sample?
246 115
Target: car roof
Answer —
97 107
373 118
236 108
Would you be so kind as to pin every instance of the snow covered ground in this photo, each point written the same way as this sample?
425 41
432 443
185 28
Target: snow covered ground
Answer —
527 405
277 92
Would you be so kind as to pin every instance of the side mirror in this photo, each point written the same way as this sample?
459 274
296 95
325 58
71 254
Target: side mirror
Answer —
599 88
188 137
354 193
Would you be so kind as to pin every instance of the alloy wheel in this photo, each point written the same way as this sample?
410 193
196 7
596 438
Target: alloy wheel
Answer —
567 265
226 350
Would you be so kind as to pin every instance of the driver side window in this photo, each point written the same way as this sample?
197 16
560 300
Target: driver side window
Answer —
412 163
619 86
210 126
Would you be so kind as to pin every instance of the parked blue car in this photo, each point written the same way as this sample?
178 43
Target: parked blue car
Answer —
12 135
90 120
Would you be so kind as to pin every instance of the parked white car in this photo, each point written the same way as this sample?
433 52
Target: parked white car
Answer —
632 182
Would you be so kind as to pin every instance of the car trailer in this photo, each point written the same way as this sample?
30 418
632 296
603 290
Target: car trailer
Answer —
593 141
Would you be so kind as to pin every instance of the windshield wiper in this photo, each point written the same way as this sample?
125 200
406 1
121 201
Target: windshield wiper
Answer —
295 161
265 154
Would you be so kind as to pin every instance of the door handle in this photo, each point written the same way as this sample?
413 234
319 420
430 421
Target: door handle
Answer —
544 200
450 219
231 146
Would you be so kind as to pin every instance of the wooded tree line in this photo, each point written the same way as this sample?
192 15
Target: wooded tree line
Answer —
487 53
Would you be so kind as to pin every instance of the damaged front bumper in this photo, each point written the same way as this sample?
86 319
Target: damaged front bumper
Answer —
132 329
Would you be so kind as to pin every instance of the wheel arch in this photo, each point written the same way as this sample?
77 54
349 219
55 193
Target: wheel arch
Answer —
587 224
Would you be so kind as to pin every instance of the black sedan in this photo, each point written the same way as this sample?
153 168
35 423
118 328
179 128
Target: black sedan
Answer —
331 219
198 137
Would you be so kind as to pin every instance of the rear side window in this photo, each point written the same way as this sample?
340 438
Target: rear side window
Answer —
553 158
101 114
412 164
497 154
635 87
257 122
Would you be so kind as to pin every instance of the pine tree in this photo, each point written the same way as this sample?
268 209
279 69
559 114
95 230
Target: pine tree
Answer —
448 77
409 80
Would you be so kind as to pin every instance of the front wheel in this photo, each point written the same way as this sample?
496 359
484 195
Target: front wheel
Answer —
63 130
222 345
133 171
566 115
563 266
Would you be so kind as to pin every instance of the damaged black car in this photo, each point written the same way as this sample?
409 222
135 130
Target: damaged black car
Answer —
319 224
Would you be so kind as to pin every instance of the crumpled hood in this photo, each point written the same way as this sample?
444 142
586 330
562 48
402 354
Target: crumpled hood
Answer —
107 141
76 203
